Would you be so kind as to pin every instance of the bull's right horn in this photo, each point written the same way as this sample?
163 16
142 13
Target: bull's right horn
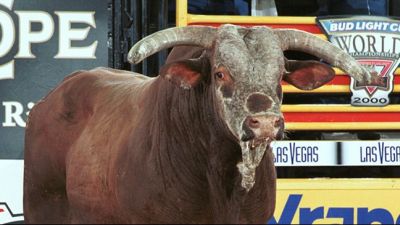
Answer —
306 42
192 35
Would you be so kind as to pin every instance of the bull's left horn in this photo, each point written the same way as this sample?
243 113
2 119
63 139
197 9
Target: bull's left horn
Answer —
192 35
309 43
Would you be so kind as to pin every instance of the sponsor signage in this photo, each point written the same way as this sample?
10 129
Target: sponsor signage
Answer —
371 153
375 43
337 201
332 153
41 42
11 189
305 153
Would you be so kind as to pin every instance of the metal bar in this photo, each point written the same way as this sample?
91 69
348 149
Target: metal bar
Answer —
162 24
192 18
145 31
340 72
339 184
181 13
136 29
110 33
117 32
337 108
342 126
327 89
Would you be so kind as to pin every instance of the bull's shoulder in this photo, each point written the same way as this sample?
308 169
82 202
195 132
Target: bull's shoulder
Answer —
116 72
101 77
85 90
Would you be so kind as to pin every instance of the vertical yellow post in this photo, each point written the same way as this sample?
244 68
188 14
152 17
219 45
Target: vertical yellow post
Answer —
181 13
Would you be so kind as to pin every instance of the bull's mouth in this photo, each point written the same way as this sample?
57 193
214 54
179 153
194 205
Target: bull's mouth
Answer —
253 142
257 142
253 151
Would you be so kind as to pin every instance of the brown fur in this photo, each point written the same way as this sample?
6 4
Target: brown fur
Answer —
109 146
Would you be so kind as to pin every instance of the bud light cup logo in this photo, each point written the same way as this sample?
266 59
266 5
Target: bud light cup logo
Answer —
375 43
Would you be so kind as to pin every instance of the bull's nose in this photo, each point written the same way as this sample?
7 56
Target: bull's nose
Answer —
264 126
248 126
278 122
253 122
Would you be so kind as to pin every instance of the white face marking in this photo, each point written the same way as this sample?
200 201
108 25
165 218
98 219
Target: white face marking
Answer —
255 62
251 159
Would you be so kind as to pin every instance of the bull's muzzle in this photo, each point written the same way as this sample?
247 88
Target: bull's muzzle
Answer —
261 129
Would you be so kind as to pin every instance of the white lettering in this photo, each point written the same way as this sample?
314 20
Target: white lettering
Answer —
394 27
7 33
67 35
7 71
13 114
26 20
38 27
333 27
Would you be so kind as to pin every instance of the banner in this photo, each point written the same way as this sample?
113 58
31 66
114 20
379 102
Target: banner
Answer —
305 153
11 179
336 153
41 42
337 201
371 153
375 43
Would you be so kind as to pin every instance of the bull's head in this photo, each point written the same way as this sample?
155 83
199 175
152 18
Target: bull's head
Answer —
247 65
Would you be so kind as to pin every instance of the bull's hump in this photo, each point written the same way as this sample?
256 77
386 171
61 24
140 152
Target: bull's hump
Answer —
116 72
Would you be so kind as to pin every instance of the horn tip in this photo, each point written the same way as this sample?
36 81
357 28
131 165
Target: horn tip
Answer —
134 57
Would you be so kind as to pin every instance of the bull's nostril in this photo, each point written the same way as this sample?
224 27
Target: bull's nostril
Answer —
254 123
278 122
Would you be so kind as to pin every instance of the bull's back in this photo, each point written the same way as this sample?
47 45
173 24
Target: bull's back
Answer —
65 119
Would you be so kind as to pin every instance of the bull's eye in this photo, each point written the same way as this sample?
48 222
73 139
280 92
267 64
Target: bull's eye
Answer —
220 75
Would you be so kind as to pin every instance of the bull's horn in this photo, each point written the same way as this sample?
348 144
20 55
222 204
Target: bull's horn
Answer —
306 42
192 35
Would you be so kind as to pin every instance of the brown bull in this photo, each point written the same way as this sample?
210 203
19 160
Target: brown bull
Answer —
190 146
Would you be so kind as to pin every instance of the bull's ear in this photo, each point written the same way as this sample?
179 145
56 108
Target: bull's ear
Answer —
186 73
307 75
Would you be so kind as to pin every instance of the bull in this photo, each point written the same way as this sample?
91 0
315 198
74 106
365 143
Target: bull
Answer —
189 146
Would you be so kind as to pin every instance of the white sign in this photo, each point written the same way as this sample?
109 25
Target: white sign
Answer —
11 191
371 153
305 153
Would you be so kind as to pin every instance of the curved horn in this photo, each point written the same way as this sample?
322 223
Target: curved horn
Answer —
192 35
306 42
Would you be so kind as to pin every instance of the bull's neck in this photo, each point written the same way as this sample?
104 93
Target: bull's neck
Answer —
188 135
185 148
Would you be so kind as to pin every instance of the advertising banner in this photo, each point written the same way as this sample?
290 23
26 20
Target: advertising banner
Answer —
41 42
336 153
337 201
305 153
11 179
375 43
371 153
